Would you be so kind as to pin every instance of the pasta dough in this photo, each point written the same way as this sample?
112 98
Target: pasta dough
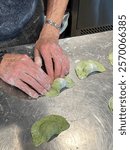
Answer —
110 57
85 68
110 104
58 85
47 128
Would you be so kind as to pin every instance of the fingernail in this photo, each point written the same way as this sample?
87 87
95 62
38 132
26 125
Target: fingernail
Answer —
62 76
38 61
35 96
48 87
44 92
66 72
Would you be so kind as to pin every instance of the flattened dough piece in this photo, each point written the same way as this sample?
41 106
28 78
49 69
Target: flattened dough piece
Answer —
58 85
48 127
110 57
110 104
85 68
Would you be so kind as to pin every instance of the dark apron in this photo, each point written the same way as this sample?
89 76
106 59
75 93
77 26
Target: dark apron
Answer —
20 22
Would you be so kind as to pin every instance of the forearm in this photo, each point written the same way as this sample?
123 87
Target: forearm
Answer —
56 10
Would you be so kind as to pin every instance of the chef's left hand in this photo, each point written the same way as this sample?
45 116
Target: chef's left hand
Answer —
47 47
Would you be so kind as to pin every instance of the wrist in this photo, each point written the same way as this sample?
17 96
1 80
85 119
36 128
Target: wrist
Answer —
54 24
49 32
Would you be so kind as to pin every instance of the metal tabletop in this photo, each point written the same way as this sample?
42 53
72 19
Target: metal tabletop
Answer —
85 106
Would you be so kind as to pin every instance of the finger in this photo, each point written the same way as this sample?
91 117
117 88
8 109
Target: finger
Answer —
48 64
57 57
37 58
25 88
33 83
65 66
57 63
39 75
34 70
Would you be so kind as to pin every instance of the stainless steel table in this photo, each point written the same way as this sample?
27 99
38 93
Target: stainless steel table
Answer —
85 106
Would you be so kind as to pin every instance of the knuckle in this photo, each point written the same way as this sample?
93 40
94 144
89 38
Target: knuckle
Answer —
25 56
11 81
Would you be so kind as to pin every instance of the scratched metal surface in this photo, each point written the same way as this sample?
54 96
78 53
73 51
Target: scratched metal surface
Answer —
85 106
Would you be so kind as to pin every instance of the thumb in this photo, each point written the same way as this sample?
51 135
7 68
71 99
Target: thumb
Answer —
37 58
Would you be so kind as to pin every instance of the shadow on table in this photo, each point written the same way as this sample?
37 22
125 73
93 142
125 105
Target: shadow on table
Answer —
17 114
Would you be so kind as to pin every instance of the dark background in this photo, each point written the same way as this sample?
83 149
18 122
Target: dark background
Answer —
88 16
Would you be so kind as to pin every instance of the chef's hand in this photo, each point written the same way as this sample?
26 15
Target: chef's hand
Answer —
20 71
56 62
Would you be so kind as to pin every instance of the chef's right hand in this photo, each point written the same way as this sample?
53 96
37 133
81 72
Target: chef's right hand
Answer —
20 71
